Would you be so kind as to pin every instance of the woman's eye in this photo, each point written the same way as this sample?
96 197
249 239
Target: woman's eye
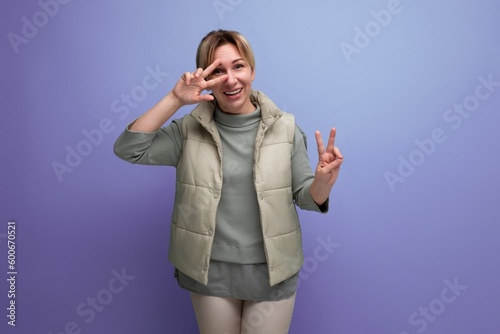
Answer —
239 66
217 71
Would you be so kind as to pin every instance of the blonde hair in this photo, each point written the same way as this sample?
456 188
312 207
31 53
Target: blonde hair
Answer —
214 39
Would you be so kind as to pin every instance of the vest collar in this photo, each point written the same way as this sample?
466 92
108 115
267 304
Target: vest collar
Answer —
270 113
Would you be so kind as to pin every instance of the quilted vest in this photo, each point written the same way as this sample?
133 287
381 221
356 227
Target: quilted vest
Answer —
199 183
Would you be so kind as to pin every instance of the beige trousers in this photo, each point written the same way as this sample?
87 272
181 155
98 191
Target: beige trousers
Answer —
217 315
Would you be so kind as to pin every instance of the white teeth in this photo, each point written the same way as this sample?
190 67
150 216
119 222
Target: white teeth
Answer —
234 92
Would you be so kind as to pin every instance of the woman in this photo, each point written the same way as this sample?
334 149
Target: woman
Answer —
241 167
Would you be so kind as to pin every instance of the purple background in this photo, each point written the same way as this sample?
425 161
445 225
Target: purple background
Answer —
394 251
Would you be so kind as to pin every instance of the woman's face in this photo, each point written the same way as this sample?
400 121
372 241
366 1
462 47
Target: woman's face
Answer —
233 94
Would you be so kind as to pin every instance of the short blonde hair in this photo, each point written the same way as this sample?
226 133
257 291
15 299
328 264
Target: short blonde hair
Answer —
214 39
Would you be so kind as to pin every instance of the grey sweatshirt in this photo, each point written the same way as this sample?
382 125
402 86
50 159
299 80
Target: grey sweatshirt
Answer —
238 235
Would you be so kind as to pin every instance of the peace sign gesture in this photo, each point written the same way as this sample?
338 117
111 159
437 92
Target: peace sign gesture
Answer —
327 170
189 88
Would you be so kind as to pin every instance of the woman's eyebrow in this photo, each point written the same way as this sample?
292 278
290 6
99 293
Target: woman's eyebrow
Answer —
234 61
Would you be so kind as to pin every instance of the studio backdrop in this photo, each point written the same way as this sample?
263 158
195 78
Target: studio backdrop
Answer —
411 241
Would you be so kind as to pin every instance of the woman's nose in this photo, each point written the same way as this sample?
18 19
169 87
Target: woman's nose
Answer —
231 78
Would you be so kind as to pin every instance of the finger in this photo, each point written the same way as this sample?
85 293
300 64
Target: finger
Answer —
336 152
207 97
213 82
198 72
331 141
329 168
187 77
319 141
210 68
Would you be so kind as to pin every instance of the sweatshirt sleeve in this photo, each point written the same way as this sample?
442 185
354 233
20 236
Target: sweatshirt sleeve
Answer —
303 176
162 147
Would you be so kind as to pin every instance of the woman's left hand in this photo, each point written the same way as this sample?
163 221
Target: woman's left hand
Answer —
330 160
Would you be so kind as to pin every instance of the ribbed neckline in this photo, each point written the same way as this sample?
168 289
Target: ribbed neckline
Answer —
237 121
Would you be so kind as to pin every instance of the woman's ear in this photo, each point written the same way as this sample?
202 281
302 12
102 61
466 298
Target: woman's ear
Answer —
253 74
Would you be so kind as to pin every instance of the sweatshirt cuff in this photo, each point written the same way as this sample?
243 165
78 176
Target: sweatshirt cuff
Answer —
307 202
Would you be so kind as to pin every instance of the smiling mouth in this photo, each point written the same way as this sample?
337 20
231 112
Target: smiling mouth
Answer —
233 92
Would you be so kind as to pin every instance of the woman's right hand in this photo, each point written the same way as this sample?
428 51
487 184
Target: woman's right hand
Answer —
189 88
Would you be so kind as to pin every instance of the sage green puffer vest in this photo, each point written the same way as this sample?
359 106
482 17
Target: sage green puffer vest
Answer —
199 184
